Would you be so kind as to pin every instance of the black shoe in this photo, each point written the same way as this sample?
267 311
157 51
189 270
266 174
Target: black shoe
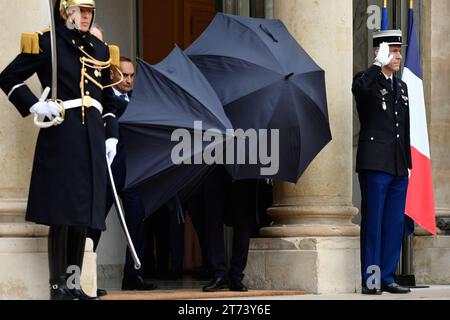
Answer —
216 284
79 294
366 290
395 288
61 292
137 283
101 293
238 286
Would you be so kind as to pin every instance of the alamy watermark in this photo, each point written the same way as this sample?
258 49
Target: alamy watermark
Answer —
254 147
74 278
374 280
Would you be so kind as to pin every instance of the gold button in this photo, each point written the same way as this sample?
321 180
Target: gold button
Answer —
85 81
82 47
87 93
73 41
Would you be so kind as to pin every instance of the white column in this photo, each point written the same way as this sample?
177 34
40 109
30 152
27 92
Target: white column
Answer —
313 245
23 246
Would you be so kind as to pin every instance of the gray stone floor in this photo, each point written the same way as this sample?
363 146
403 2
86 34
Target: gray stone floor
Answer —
431 293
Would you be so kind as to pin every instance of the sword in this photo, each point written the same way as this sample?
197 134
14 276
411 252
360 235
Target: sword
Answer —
38 121
54 53
137 263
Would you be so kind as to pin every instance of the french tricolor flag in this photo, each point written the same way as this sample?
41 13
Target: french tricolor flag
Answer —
420 198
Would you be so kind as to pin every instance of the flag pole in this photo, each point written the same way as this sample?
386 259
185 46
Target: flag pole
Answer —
407 277
394 14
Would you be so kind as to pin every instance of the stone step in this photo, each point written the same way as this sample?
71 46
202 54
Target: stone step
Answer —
22 230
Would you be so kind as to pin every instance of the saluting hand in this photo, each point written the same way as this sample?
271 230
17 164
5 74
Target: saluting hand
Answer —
384 57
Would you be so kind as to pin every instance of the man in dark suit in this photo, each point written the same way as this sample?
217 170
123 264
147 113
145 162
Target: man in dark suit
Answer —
383 160
133 205
236 204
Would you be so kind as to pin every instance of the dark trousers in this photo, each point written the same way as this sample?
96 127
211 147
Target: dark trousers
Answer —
65 248
134 213
233 204
164 241
383 216
157 244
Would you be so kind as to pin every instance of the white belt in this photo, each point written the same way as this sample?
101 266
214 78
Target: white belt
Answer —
88 102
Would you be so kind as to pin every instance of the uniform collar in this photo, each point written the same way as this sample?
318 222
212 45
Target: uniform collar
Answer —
387 77
75 38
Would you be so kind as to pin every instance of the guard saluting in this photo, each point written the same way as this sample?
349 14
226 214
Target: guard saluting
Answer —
383 160
69 178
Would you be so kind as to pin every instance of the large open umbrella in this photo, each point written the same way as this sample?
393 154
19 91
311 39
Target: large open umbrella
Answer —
169 96
266 81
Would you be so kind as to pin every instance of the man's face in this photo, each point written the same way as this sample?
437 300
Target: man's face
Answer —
80 17
396 52
127 70
86 19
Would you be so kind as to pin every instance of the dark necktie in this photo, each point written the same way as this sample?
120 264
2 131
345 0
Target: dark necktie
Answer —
124 97
391 85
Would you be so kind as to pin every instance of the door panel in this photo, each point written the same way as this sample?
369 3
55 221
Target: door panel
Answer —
169 22
197 16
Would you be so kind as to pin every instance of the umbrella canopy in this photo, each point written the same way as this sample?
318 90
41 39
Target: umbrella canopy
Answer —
167 97
266 81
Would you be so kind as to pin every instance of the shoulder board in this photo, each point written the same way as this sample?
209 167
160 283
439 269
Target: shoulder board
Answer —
29 43
114 55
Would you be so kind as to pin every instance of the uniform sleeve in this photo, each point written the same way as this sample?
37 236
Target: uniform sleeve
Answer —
13 77
363 82
109 107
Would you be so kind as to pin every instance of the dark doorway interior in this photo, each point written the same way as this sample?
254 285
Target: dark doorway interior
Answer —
162 25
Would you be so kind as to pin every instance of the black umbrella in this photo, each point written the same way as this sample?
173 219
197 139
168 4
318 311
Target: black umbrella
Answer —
167 97
266 80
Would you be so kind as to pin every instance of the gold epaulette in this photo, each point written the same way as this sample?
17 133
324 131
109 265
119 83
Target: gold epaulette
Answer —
114 55
29 43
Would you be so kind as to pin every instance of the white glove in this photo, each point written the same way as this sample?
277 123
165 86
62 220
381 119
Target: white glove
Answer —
384 57
111 149
46 109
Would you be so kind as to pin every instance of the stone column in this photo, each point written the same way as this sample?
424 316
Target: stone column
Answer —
23 246
238 7
314 246
431 255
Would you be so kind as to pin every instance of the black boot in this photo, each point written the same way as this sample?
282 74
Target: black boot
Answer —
57 262
76 244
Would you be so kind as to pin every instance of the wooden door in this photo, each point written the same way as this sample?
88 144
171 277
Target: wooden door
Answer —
169 22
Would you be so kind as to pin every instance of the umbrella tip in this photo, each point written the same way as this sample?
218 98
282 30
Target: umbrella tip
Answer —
289 76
